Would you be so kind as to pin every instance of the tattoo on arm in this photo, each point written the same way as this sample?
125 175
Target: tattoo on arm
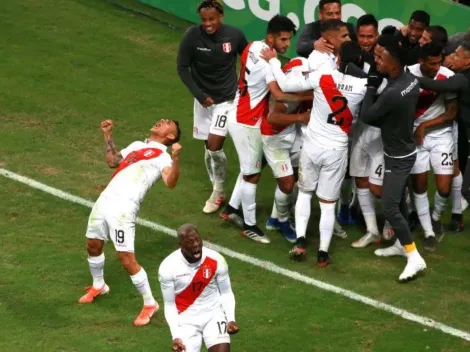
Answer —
112 154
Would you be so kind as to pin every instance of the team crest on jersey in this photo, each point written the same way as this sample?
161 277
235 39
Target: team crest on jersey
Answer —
206 272
227 47
284 167
148 153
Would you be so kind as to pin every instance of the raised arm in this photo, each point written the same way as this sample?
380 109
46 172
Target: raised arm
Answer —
113 156
184 60
170 174
372 112
455 84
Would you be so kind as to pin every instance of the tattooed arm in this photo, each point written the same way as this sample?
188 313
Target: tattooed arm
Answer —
113 156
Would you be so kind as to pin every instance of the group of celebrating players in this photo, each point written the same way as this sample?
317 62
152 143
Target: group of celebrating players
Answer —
355 113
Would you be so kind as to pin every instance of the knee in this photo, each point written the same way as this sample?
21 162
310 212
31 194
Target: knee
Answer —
286 185
127 260
94 247
252 178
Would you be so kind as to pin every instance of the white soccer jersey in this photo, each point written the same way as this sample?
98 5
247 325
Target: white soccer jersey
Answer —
141 167
431 104
191 290
252 98
335 106
321 61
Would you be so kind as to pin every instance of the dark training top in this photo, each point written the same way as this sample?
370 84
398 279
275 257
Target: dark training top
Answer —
394 114
459 83
311 33
207 64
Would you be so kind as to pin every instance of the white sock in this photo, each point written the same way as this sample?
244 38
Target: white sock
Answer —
236 198
457 194
274 213
346 191
422 208
327 223
248 193
207 162
283 202
413 255
141 282
367 203
302 212
96 265
440 204
219 168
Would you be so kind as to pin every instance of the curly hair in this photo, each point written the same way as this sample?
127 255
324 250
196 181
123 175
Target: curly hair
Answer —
207 4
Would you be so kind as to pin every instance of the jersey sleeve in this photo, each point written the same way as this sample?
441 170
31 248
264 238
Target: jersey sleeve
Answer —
225 288
293 84
168 292
372 112
163 161
457 83
450 95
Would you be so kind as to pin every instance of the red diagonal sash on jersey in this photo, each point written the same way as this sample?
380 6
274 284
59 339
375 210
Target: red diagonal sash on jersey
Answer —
340 113
137 155
201 279
426 99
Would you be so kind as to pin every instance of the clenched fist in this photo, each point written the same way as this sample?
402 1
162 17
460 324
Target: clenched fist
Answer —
107 126
176 149
178 345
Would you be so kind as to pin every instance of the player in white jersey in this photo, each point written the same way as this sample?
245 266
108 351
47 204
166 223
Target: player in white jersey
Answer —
324 155
251 104
113 216
434 116
279 132
198 297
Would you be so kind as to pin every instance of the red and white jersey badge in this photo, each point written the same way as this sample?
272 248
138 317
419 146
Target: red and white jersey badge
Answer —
227 47
206 272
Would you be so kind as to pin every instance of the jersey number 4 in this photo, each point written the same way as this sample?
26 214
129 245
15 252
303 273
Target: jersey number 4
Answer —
336 118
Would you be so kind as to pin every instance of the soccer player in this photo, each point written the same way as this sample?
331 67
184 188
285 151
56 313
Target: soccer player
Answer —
250 106
279 132
139 166
367 35
324 155
435 34
411 34
311 37
197 294
433 129
335 32
394 113
207 66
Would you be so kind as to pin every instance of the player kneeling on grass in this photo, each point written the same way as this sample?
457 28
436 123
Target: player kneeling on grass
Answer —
198 297
139 166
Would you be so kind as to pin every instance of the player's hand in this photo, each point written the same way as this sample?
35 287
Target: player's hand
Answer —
419 134
374 79
232 328
175 149
208 102
107 126
268 54
178 345
305 117
404 31
323 46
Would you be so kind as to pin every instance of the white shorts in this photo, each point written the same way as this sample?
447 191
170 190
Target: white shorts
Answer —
455 137
322 170
367 160
211 327
277 150
115 219
435 152
249 146
211 120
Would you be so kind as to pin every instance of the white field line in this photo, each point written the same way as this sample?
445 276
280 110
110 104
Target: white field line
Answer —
258 262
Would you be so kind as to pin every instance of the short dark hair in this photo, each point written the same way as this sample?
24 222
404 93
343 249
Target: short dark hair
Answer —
430 50
207 4
438 34
367 20
465 45
332 25
393 46
279 24
178 131
421 16
350 52
322 3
